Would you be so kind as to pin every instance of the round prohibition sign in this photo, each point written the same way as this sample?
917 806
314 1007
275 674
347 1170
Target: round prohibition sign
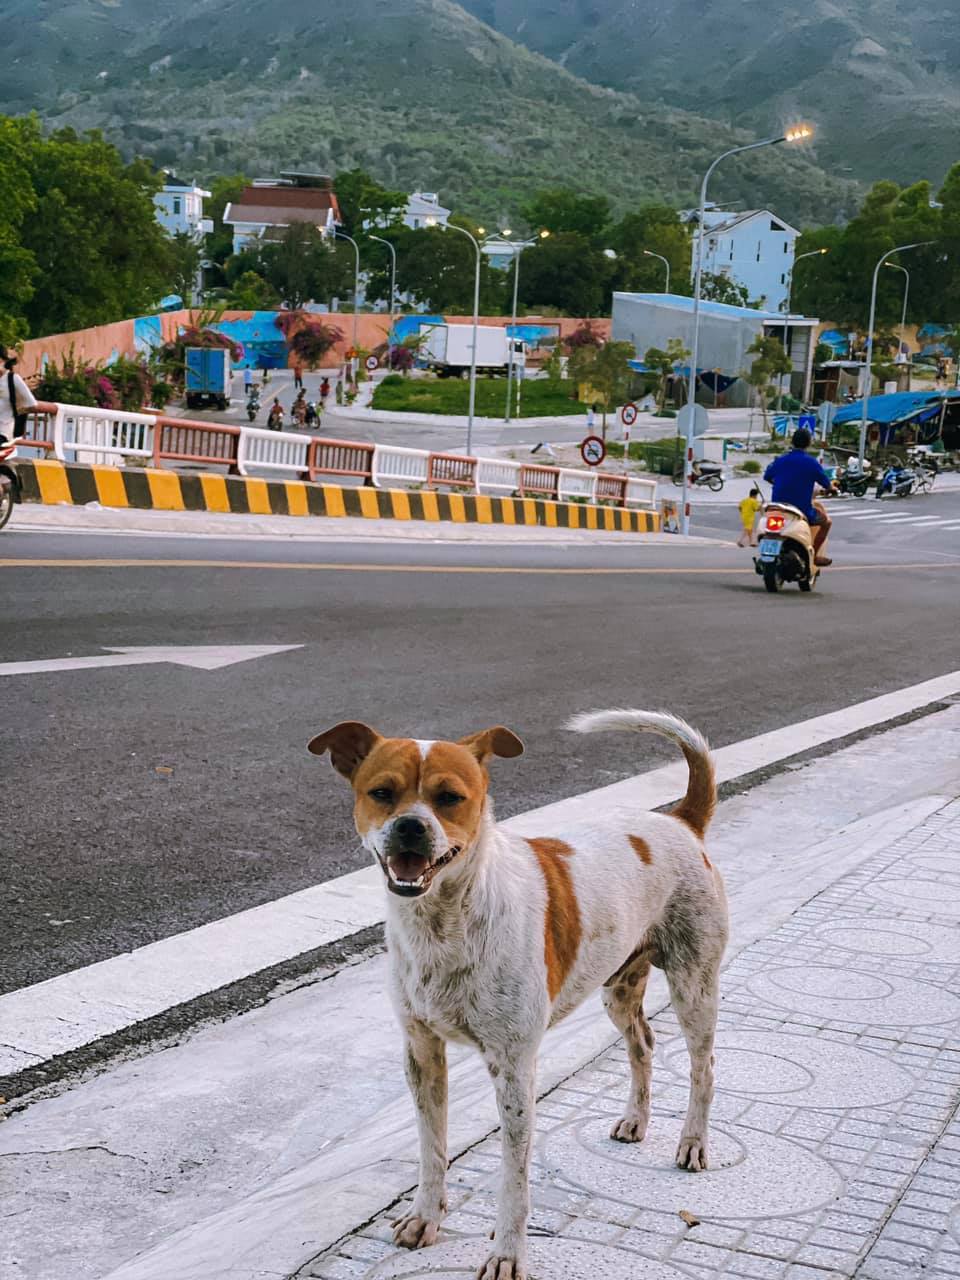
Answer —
628 414
372 363
593 451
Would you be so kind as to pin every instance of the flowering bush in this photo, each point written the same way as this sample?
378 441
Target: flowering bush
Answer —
308 338
125 384
585 336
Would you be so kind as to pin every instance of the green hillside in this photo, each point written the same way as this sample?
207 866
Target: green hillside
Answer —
417 91
881 80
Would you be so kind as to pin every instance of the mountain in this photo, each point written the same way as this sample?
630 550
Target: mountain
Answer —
880 78
417 91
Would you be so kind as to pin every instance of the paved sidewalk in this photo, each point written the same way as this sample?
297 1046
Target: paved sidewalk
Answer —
836 1132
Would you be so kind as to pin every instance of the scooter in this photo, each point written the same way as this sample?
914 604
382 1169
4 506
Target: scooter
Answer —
898 480
853 479
253 404
785 553
10 485
704 473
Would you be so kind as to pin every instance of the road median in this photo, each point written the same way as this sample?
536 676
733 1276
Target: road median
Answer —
55 483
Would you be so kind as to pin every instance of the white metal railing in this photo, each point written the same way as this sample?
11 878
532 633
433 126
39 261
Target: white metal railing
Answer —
576 484
271 450
641 493
497 475
95 435
405 466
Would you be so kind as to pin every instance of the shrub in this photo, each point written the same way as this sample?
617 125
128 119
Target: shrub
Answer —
751 467
392 380
308 338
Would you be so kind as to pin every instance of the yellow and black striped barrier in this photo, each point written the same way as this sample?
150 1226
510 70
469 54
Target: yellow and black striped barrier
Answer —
147 488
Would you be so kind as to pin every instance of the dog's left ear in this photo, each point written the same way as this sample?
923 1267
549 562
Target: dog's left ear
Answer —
497 741
349 745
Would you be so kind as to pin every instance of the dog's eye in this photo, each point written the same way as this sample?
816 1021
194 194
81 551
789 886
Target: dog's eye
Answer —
448 798
383 794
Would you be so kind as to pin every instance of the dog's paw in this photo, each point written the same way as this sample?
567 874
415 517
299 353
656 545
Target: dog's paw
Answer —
692 1154
629 1129
497 1267
413 1232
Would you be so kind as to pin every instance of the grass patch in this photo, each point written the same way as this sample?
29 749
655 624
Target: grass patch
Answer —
539 399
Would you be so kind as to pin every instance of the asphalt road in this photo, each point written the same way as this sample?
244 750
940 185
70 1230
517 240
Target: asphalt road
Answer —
141 801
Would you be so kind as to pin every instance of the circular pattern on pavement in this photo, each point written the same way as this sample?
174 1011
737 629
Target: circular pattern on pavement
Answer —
799 1071
938 862
942 894
751 1174
559 1259
848 995
891 936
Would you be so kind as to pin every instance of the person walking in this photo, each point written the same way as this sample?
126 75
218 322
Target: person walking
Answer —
749 508
298 377
16 399
324 390
247 379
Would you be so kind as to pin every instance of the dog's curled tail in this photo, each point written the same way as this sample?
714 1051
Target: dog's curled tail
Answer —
697 806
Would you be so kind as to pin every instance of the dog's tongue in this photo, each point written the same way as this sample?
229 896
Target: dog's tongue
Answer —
407 865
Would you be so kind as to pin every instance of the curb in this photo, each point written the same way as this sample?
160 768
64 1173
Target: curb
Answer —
146 488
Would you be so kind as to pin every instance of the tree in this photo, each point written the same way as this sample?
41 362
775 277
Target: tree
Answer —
564 211
364 200
438 267
100 251
184 255
605 371
18 266
771 363
658 229
663 364
301 265
251 292
308 337
716 288
223 191
568 272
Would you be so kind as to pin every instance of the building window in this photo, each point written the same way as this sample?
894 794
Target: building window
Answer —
783 278
776 226
786 247
176 206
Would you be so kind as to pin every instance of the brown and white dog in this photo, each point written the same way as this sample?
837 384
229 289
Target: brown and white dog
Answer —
494 938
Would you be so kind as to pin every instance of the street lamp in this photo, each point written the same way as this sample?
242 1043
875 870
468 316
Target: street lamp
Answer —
814 253
393 284
868 372
648 253
342 235
797 134
895 266
518 248
452 226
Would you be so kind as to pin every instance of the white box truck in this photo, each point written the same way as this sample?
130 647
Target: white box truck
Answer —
448 349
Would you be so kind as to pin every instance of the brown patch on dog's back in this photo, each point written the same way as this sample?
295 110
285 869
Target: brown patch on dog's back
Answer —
562 929
641 849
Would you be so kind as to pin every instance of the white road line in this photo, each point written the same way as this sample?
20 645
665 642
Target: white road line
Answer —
205 657
895 517
76 1008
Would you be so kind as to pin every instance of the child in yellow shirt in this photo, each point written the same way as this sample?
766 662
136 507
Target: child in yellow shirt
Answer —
749 508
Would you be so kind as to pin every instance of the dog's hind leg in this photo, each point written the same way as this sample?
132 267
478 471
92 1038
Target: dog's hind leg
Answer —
694 994
623 1000
426 1069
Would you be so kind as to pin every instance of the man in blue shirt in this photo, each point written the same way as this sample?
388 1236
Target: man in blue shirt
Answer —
794 477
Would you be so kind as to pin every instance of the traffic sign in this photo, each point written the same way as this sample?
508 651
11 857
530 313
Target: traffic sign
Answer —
593 451
372 363
628 414
809 422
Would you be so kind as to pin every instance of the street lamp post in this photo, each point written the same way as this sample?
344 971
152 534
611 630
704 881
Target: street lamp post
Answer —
895 266
452 226
868 369
393 284
792 135
648 253
342 235
814 253
518 248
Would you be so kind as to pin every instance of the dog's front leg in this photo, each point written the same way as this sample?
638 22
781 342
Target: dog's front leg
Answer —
426 1069
515 1083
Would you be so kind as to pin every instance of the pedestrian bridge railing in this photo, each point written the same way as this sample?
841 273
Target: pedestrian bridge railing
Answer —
79 433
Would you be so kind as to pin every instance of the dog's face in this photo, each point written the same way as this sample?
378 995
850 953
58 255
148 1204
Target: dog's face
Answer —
418 805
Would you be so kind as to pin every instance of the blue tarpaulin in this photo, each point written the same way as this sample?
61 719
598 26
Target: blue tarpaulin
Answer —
902 406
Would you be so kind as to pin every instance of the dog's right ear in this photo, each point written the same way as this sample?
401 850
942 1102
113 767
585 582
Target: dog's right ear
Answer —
349 745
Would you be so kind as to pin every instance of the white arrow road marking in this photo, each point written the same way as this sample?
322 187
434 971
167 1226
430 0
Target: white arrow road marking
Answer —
205 657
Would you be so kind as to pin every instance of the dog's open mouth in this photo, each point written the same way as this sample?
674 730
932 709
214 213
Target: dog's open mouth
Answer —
410 874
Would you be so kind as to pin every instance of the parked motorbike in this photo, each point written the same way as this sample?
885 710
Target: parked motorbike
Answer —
9 480
704 473
854 479
897 479
785 553
253 404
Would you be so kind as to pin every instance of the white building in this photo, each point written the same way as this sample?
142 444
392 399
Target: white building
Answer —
754 249
180 208
268 206
425 210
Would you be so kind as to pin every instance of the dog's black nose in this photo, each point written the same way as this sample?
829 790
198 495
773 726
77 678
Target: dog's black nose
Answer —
409 828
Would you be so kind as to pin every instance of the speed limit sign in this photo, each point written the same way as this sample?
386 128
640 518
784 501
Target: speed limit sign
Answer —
593 451
628 414
372 363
